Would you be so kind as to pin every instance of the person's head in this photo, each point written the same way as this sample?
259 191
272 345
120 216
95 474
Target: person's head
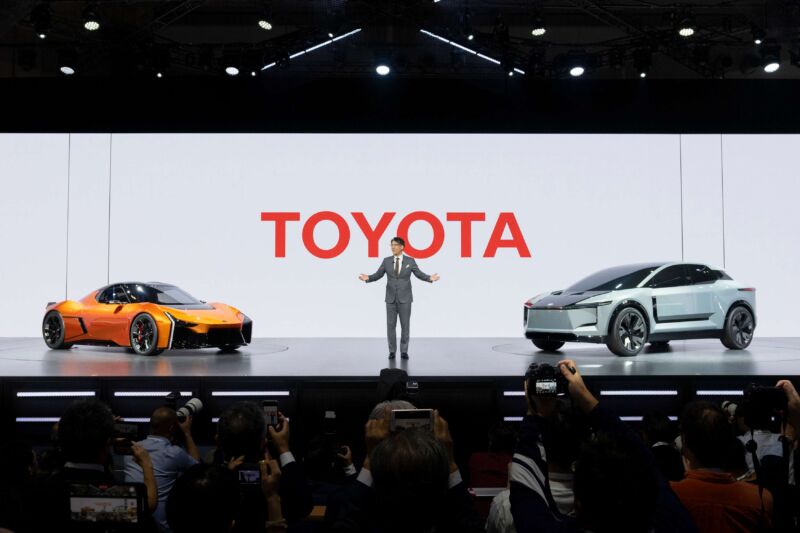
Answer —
204 498
657 427
379 410
615 489
564 434
706 435
502 438
398 244
242 430
410 472
85 432
163 422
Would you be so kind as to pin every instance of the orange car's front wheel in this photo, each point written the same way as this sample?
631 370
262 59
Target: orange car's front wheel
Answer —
144 335
53 331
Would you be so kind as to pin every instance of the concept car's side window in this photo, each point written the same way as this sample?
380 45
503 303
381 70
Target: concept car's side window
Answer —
701 274
118 294
674 276
105 296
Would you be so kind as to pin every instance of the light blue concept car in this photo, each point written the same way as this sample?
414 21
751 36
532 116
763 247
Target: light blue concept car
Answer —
627 306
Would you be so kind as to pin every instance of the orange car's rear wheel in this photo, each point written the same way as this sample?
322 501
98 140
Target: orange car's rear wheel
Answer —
53 331
144 335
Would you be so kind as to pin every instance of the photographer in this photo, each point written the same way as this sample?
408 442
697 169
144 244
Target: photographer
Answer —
409 483
617 486
169 460
242 440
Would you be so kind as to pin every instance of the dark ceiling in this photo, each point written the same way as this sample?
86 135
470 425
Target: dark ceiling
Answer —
615 39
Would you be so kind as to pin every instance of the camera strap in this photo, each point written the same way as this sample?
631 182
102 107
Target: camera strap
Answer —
752 447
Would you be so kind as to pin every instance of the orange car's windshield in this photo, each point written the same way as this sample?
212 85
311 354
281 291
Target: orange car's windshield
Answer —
159 294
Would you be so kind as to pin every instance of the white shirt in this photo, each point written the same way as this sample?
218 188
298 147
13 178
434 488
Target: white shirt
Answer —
768 444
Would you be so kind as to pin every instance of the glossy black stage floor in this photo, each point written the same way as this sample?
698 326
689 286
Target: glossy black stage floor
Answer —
461 358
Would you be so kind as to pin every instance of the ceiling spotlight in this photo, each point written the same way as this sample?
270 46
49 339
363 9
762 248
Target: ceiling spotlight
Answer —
383 70
231 71
253 73
65 69
643 74
758 35
40 17
685 24
642 60
91 22
466 25
538 29
67 61
771 57
576 71
264 24
159 75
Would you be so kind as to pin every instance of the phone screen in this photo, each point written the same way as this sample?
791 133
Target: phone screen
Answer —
411 418
270 408
120 504
249 476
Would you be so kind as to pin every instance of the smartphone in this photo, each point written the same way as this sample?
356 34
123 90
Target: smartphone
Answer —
249 474
411 418
109 505
124 437
270 408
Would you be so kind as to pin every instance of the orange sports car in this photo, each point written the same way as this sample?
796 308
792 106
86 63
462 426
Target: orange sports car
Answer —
148 318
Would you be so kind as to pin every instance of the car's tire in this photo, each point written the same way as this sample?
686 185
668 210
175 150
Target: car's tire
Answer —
548 346
628 332
53 331
739 328
143 335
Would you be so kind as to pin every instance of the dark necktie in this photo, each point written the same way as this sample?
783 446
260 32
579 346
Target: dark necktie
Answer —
396 266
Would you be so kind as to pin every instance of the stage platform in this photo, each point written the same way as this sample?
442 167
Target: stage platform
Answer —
458 358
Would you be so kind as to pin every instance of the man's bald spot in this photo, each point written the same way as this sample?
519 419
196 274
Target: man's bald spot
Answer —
162 421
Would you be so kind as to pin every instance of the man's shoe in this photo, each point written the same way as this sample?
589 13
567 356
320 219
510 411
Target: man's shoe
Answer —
391 355
404 355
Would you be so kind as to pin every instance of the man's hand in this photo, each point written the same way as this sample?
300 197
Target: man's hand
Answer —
577 388
186 425
347 456
235 463
270 477
434 277
793 404
441 430
280 436
140 455
363 277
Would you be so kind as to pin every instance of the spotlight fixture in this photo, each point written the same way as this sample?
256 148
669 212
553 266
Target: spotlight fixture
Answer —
265 20
684 24
771 57
538 28
91 22
67 62
642 61
576 71
40 17
231 70
383 70
576 63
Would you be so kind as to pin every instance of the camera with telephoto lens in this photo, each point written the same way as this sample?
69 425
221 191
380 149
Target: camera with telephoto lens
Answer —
766 399
190 408
545 380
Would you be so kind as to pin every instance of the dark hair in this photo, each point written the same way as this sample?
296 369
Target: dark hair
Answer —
707 433
399 241
204 498
241 431
85 430
615 488
410 472
502 438
564 434
657 427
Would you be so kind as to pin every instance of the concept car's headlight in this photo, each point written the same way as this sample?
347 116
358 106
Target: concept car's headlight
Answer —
593 304
180 323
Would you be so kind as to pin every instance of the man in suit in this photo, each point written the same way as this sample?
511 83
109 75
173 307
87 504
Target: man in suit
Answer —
398 267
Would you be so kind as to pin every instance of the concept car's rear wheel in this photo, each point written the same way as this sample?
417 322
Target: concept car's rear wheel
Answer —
739 328
144 335
53 331
548 346
628 332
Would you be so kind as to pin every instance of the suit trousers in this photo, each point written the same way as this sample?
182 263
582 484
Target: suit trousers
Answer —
392 311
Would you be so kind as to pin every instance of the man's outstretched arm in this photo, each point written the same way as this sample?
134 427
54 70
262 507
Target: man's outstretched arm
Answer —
374 277
422 275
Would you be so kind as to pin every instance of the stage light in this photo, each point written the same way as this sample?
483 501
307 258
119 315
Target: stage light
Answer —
758 35
577 71
771 57
69 71
466 25
685 24
91 22
383 70
159 75
231 71
686 31
40 17
147 394
643 75
642 60
265 20
67 62
248 393
538 28
55 394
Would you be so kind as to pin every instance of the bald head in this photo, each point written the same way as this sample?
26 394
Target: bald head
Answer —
162 421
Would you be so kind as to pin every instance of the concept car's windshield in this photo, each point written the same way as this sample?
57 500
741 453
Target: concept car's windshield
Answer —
160 294
615 278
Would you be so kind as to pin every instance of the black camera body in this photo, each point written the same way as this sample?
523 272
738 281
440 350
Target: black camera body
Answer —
766 399
545 380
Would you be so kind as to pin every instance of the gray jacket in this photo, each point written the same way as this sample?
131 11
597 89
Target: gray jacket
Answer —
398 287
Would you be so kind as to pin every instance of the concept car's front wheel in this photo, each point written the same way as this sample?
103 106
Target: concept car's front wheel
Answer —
53 331
229 348
628 332
144 335
548 346
739 327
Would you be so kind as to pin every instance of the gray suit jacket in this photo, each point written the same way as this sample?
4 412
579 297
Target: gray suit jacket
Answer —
398 288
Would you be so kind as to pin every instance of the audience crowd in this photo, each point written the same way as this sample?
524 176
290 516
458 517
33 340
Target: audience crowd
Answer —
570 465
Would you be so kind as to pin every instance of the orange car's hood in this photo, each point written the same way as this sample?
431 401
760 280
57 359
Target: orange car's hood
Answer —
220 314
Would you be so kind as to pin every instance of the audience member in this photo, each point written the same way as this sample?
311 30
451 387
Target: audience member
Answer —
659 435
